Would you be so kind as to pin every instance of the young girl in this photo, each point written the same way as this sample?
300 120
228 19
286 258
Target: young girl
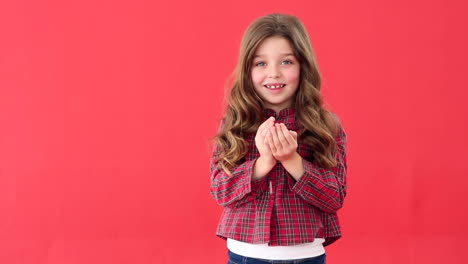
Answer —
279 163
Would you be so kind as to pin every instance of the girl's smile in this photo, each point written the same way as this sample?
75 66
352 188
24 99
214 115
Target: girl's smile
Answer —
275 88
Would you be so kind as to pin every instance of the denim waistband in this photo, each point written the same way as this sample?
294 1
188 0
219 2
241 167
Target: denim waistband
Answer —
238 259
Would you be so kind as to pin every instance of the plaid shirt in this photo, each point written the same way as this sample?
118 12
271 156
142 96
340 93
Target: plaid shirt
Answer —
277 209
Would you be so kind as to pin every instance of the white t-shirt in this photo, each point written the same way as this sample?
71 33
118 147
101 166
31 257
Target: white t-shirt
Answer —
263 251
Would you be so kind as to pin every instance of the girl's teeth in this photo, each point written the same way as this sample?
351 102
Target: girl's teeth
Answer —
275 86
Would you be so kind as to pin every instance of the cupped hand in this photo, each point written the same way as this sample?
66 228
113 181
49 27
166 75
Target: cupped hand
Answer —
261 141
282 142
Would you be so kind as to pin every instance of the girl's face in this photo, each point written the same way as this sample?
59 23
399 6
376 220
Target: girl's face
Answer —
275 73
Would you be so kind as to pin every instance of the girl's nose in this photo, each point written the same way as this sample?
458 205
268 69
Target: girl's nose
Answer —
274 72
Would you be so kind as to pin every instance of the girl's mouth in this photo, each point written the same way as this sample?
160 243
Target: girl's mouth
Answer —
274 87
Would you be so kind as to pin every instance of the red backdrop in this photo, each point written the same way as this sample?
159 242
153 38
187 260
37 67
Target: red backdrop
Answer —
106 108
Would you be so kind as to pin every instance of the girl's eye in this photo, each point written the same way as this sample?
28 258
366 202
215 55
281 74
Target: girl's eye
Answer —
263 63
257 64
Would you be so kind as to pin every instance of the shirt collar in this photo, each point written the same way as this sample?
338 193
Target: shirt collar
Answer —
283 113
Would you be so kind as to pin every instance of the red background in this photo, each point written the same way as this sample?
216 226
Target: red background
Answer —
106 108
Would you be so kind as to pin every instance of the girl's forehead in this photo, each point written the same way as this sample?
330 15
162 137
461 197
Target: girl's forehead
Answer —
281 54
274 46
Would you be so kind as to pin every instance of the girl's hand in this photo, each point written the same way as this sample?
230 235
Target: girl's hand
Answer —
282 142
293 134
261 141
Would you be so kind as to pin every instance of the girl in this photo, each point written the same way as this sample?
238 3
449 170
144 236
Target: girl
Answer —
279 163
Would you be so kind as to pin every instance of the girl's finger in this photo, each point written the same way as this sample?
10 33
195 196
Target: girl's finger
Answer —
265 124
275 137
271 144
264 132
265 137
294 135
268 137
287 136
281 137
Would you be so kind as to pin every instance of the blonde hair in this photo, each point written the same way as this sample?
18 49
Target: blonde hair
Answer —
244 112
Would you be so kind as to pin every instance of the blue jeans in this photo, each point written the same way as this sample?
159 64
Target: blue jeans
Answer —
238 259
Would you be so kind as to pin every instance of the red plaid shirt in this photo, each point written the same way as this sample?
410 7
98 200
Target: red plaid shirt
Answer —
277 209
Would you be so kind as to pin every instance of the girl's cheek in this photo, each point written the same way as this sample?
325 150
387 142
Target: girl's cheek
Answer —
256 76
293 74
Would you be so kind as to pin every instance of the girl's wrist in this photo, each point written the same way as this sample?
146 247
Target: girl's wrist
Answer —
262 167
294 166
268 162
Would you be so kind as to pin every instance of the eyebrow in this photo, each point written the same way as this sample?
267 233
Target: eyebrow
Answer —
282 54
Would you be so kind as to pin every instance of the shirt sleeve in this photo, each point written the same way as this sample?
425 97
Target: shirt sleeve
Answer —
238 188
325 188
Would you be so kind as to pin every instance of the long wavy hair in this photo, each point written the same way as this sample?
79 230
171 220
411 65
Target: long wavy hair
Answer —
244 111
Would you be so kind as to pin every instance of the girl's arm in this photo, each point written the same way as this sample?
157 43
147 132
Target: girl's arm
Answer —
248 180
323 188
